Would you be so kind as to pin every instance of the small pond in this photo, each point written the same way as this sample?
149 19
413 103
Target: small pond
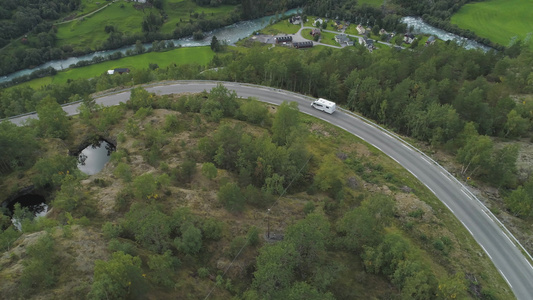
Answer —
35 204
93 158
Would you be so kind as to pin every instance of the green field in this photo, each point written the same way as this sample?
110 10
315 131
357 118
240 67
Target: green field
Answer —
90 32
497 20
283 26
375 3
199 55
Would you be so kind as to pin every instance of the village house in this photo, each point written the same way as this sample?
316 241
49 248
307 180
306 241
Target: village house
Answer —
296 20
318 21
283 39
431 40
408 38
369 44
118 71
306 44
360 29
382 31
315 32
343 40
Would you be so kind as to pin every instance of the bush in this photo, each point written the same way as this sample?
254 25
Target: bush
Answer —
110 230
309 207
253 236
116 245
212 229
231 197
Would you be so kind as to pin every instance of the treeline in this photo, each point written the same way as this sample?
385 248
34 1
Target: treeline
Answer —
428 94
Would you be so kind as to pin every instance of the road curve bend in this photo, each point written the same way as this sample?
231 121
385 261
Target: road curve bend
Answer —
501 247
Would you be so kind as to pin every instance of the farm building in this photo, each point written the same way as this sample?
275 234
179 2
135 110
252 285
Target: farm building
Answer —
298 45
283 39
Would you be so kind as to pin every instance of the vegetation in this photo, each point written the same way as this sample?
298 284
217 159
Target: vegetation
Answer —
503 22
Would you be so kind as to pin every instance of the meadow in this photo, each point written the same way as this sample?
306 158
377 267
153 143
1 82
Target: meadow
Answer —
89 32
284 26
180 56
497 20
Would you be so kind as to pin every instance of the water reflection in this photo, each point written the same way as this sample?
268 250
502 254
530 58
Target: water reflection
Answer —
93 158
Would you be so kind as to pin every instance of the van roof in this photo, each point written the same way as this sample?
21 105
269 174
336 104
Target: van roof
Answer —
325 102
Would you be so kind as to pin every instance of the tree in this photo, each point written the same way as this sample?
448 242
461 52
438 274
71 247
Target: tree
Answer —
329 175
520 201
52 170
162 267
117 278
286 122
310 237
18 146
70 195
150 227
231 197
304 291
475 155
515 126
41 267
139 97
215 44
53 121
209 170
255 112
144 186
275 268
190 241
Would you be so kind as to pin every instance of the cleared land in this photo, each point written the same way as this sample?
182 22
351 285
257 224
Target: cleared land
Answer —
497 20
283 26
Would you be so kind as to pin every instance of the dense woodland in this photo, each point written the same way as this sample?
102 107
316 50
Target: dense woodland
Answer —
154 240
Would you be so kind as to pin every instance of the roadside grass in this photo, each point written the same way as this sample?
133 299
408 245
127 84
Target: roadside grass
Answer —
497 20
306 33
89 32
283 26
200 55
352 29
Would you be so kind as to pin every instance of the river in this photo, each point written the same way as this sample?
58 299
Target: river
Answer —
231 34
419 26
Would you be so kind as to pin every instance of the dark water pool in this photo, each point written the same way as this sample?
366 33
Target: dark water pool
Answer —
93 158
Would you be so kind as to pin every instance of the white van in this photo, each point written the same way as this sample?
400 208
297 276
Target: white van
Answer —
324 105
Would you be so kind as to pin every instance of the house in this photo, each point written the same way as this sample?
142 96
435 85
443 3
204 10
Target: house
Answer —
283 39
369 44
382 31
318 22
110 72
343 40
431 40
408 38
315 32
121 70
140 1
306 44
360 29
296 20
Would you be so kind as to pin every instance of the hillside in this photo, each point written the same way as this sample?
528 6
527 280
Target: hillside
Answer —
181 211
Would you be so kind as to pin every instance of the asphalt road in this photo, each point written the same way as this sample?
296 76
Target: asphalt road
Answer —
479 221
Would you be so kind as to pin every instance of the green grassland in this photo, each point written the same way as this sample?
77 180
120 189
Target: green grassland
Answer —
88 6
89 31
497 20
182 9
284 26
199 55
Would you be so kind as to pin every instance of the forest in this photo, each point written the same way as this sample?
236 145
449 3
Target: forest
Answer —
161 219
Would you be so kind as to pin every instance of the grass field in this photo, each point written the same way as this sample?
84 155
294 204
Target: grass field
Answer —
284 26
199 55
88 6
89 32
497 20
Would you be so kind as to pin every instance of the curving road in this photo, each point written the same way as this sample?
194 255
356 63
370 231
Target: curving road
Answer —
495 240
